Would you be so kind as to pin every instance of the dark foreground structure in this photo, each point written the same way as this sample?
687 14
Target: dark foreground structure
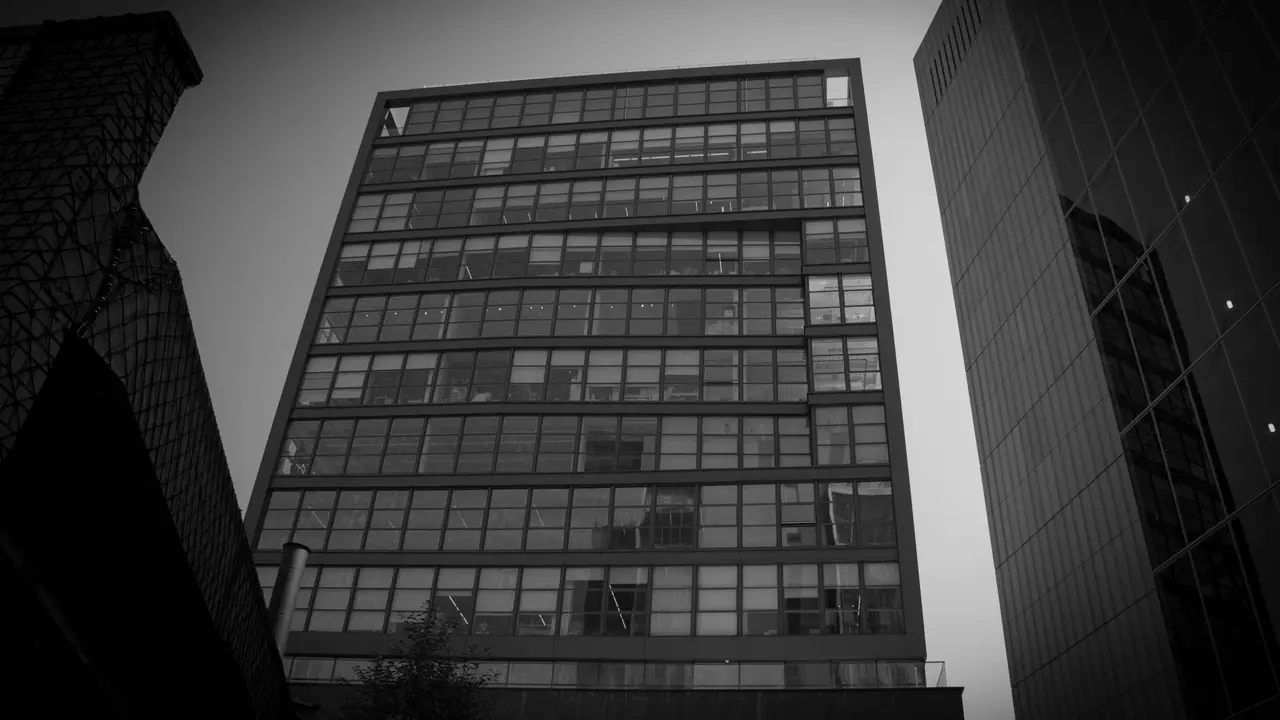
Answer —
1107 174
603 366
126 583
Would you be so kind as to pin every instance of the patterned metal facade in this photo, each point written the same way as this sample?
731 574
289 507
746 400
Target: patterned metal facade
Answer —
82 106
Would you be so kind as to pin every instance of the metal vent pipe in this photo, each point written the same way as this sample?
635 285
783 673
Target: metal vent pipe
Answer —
293 560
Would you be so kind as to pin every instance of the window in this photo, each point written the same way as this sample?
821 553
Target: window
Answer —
449 117
845 364
479 113
530 313
628 102
840 599
395 164
753 95
599 103
548 201
760 600
842 442
784 189
529 154
330 599
690 144
537 606
836 241
465 377
799 527
837 514
495 602
692 98
783 138
801 612
723 96
537 109
882 587
666 600
875 513
547 517
412 594
841 299
672 603
592 151
452 445
784 92
759 516
421 117
812 137
560 153
808 91
568 107
837 90
655 146
841 139
637 517
717 600
659 101
626 610
454 597
581 601
466 159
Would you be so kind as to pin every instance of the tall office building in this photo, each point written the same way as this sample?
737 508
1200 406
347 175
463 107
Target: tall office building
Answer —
126 583
603 366
1107 177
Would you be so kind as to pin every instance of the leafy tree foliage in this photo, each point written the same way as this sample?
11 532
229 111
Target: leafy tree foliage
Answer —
428 675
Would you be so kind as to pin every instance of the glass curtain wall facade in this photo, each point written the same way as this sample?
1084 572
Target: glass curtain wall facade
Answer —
603 368
1107 174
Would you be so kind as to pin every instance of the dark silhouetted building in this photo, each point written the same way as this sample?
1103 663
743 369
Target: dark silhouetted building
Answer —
1107 178
127 586
603 367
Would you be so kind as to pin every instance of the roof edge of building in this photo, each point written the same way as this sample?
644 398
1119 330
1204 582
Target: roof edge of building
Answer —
163 23
727 68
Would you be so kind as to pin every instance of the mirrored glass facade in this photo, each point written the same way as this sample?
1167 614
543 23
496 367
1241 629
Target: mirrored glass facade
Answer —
1107 174
659 429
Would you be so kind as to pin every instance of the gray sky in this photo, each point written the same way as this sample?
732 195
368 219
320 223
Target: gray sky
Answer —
245 186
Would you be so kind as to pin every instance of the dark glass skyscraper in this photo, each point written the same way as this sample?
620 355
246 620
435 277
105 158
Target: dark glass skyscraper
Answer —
1107 174
603 366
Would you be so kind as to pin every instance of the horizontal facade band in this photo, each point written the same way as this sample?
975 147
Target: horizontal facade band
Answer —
584 281
832 473
605 173
593 558
618 124
647 341
751 220
909 646
565 408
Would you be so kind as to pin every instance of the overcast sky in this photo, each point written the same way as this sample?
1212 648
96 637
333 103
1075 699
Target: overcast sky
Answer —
245 186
